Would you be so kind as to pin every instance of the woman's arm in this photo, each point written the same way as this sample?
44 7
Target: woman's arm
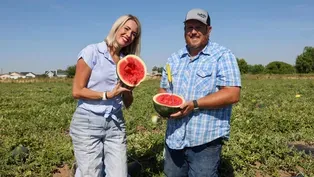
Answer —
79 90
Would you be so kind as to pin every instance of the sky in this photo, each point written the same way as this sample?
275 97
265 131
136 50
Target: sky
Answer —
41 35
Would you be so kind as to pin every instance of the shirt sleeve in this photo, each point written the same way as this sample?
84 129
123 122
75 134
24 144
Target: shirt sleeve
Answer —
87 54
228 73
164 79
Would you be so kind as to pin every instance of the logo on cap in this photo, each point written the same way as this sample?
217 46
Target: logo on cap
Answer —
201 15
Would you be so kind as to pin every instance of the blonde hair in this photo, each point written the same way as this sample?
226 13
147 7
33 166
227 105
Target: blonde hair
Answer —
135 46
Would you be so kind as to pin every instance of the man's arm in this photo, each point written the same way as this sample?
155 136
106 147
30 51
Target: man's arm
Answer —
162 90
225 96
228 83
163 82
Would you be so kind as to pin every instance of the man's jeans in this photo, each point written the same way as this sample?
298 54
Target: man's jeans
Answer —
199 161
99 145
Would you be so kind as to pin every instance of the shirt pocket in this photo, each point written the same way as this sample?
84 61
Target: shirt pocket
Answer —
204 82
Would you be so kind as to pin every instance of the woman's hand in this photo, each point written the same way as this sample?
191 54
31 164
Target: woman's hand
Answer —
128 87
118 89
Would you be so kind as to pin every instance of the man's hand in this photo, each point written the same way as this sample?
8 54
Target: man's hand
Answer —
186 108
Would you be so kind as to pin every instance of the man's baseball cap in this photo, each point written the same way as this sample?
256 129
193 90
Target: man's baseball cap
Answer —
198 14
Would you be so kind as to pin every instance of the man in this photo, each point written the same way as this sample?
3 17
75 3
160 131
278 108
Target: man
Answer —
206 74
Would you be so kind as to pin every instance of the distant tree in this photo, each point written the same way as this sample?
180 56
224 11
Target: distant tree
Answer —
256 69
159 70
243 66
155 68
305 61
278 67
60 70
71 71
42 76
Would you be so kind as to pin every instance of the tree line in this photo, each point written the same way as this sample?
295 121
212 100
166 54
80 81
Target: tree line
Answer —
304 64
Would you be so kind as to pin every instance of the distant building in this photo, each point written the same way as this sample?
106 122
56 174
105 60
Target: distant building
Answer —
18 75
57 73
28 74
22 75
5 76
50 73
61 73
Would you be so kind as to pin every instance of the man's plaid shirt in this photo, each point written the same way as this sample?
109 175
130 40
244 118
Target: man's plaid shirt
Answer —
215 66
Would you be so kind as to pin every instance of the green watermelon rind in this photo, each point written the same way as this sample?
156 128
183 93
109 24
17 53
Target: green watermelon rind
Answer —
165 110
125 59
20 153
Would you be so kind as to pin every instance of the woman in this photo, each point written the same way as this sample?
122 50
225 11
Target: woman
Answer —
98 128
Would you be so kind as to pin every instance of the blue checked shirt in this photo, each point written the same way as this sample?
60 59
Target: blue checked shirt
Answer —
214 66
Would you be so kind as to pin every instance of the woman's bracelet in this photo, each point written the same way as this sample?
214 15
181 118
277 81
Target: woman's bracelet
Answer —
104 96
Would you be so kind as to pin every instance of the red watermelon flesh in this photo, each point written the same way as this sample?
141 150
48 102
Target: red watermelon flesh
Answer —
166 104
131 70
169 100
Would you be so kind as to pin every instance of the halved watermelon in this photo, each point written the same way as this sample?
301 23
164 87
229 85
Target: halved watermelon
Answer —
131 70
166 104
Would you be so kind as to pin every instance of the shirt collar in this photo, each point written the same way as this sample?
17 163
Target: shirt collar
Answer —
102 48
206 50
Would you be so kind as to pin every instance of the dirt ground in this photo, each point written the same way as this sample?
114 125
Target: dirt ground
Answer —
64 171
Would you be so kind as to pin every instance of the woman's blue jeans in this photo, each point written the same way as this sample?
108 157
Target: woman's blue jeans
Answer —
99 144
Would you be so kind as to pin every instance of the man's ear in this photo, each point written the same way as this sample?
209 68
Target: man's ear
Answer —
209 29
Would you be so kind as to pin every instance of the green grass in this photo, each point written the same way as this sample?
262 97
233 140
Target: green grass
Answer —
267 118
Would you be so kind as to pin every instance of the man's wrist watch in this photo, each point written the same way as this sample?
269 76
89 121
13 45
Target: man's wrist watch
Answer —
195 105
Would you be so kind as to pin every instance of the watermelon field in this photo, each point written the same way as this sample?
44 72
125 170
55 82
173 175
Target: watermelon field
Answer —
272 129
